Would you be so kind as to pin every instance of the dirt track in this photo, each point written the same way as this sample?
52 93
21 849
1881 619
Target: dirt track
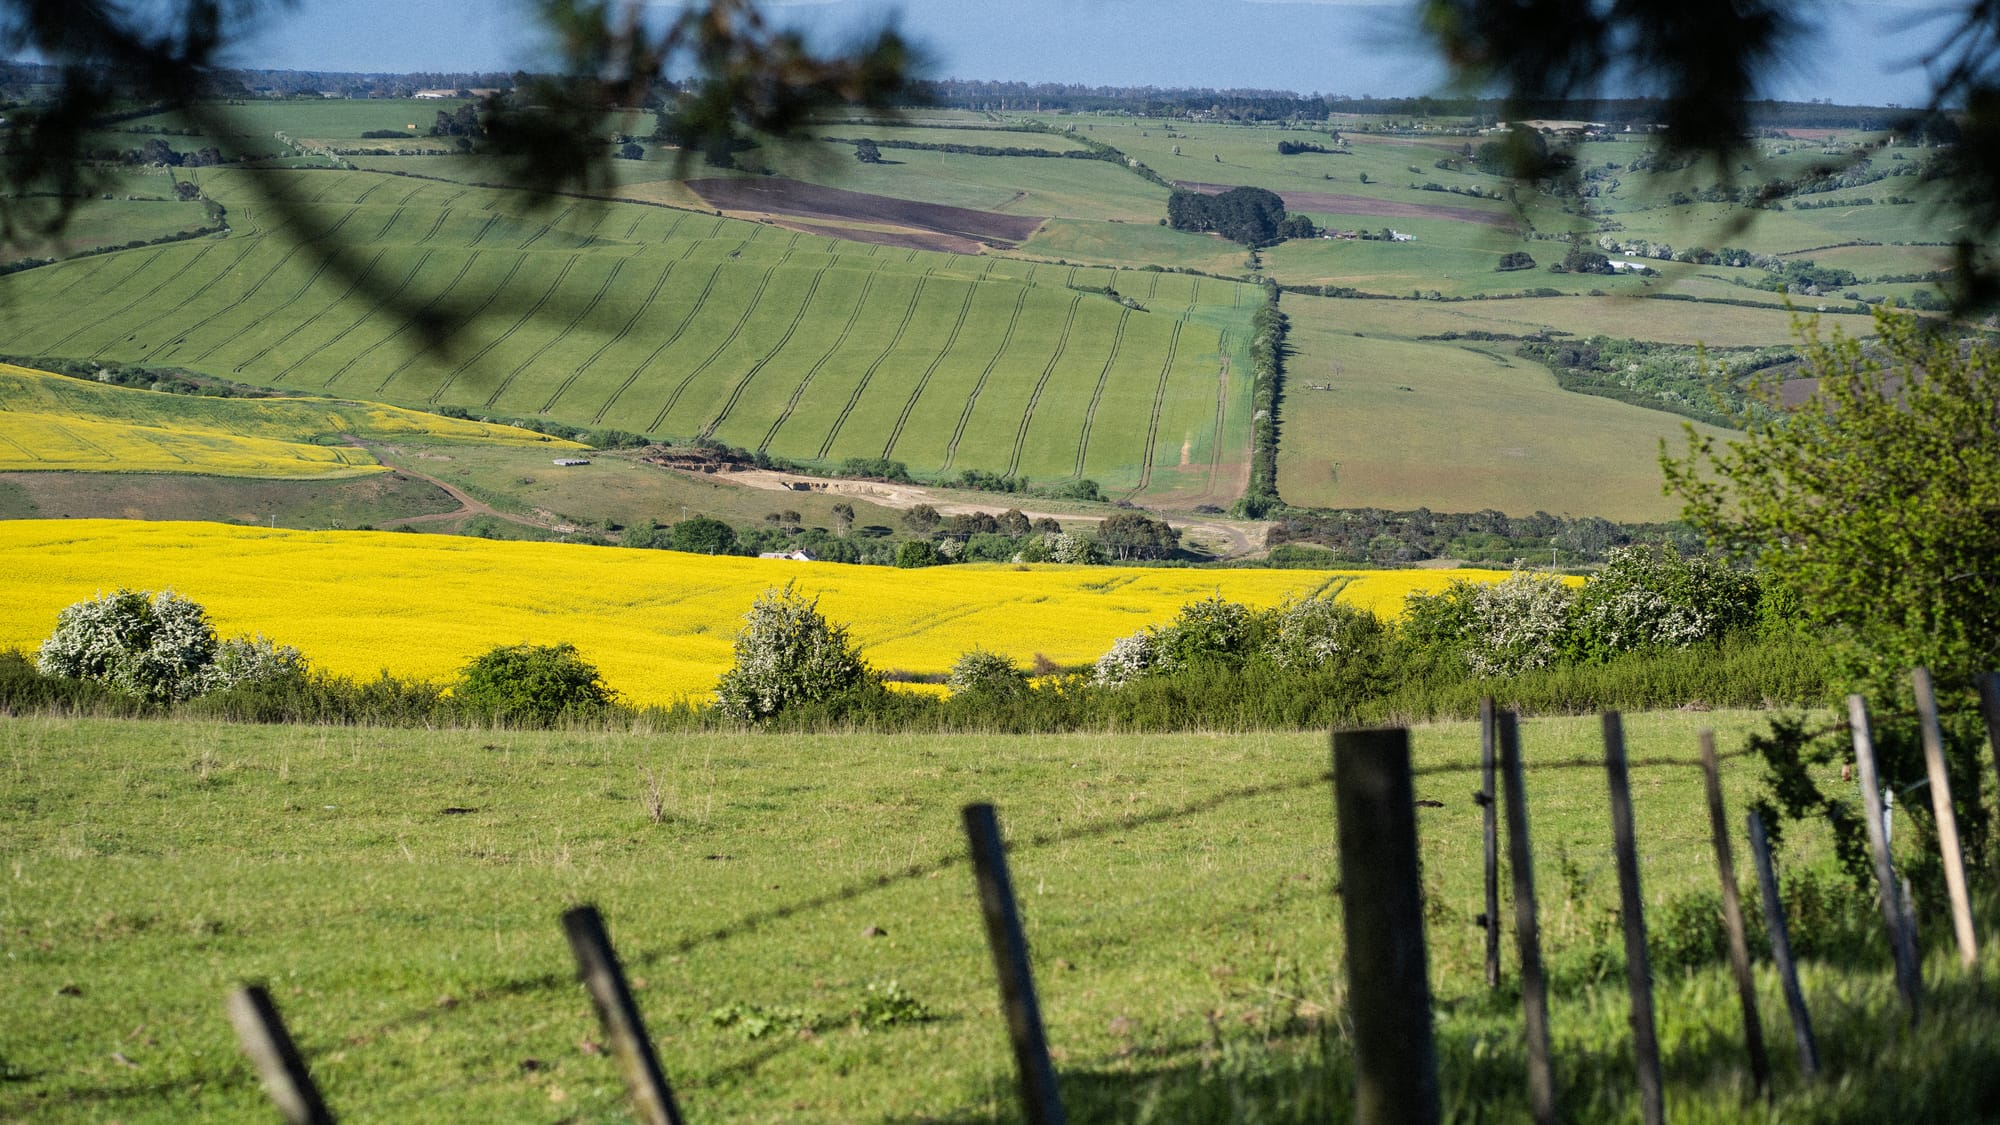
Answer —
467 505
1234 538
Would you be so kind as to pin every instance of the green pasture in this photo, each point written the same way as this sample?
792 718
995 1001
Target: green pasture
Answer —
1476 427
992 135
1135 244
304 504
1662 321
399 892
667 323
1011 185
142 209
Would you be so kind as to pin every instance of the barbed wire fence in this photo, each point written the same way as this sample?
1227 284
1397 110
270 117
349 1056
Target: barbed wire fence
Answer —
1389 1006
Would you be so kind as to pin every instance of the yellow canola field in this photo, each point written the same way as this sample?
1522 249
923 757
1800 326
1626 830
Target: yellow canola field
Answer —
658 624
51 422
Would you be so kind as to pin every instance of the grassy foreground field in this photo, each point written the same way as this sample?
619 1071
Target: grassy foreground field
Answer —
399 892
658 624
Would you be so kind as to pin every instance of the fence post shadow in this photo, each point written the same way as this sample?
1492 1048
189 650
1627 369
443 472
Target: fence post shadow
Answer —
1041 1101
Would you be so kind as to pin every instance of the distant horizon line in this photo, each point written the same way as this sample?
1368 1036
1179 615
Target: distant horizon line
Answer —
1080 87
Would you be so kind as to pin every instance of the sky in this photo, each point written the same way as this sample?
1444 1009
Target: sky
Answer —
1865 52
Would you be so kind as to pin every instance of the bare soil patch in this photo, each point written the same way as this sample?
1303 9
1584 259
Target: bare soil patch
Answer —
776 195
1330 203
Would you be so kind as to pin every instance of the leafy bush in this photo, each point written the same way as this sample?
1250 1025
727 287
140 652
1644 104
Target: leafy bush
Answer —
536 683
1127 659
702 535
254 662
986 673
1312 633
155 647
1509 626
1060 547
1207 632
787 654
1648 596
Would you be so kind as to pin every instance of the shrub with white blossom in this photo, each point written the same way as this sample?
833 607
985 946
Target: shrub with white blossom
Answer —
1314 632
787 654
1127 659
986 673
157 647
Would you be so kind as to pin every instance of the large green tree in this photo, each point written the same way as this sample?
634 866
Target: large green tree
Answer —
1875 503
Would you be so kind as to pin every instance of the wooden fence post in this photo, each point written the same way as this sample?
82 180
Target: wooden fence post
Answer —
1527 930
1382 907
1632 915
1489 811
1781 948
1989 705
1732 919
597 967
1041 1102
264 1038
1947 820
1908 980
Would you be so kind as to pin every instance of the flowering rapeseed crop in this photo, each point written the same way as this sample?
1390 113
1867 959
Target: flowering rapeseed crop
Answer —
658 624
52 422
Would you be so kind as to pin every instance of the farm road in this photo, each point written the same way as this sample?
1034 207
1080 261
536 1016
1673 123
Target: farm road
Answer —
1234 538
467 505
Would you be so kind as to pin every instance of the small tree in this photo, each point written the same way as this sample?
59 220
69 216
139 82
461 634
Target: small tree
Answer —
156 647
787 654
534 683
988 674
703 535
866 152
912 554
843 519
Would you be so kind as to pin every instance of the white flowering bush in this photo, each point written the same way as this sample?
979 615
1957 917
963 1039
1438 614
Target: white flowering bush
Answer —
1126 660
1650 596
985 673
787 654
156 647
255 661
1519 623
1314 632
1066 548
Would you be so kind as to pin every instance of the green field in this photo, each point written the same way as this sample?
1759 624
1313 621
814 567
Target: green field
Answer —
653 317
1477 427
668 323
399 893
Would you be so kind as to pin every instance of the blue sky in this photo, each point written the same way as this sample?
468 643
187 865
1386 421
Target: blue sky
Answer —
1867 51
